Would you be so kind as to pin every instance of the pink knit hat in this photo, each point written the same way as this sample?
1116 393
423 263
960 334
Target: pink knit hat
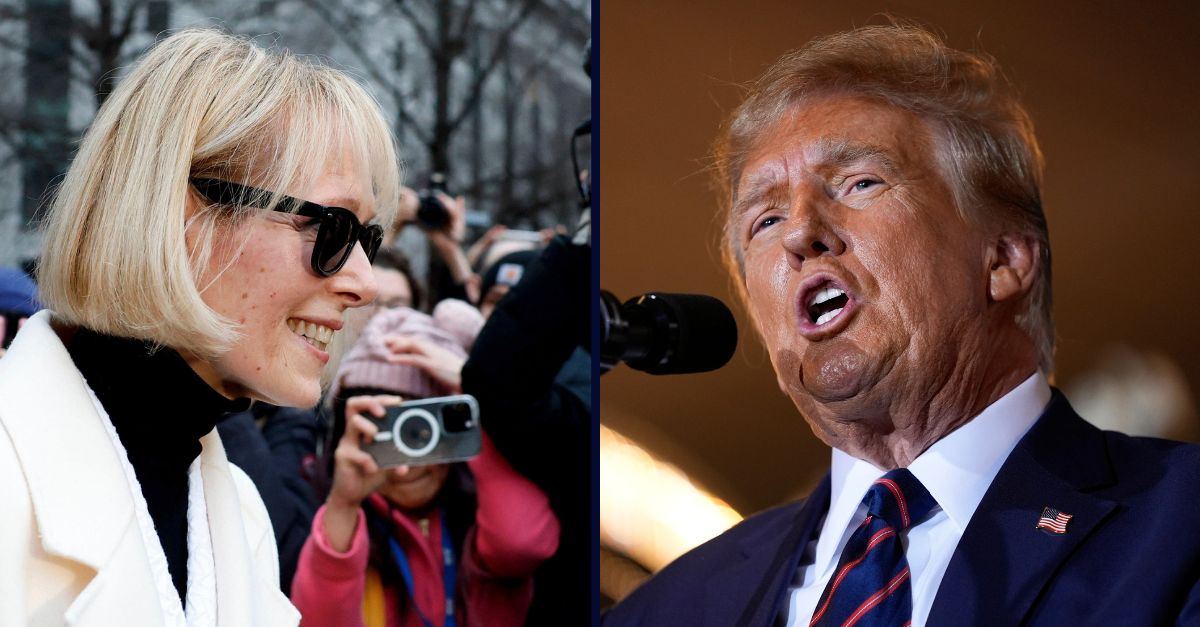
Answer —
453 326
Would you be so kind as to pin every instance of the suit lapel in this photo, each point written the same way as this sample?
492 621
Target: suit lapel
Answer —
81 499
750 592
1003 562
122 592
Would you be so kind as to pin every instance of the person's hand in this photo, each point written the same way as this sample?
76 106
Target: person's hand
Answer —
448 241
473 286
457 208
406 211
439 363
481 245
495 231
355 473
549 234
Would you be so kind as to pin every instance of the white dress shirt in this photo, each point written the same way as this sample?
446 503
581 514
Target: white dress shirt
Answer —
956 470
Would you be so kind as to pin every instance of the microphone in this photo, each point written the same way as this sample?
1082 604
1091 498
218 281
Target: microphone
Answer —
661 333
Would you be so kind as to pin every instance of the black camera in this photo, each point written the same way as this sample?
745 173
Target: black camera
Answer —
431 213
429 431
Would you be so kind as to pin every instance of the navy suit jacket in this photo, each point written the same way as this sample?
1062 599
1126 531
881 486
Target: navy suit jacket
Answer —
1130 556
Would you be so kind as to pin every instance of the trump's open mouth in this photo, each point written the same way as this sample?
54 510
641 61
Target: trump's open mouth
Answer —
824 304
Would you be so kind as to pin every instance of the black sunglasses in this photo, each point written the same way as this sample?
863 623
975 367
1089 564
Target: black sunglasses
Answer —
338 228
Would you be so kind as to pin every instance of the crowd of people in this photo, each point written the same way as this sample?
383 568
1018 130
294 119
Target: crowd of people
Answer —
228 370
347 530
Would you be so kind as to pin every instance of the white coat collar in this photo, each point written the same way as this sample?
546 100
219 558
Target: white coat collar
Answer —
83 507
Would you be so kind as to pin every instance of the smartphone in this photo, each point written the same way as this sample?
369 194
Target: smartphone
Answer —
437 430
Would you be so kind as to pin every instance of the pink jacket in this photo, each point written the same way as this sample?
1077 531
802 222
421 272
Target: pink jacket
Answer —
514 532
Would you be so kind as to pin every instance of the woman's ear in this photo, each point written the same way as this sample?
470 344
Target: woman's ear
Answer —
1014 264
191 204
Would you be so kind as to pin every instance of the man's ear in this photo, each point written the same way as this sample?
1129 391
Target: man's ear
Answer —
1014 264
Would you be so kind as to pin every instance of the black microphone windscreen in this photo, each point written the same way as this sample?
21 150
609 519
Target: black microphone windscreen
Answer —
706 334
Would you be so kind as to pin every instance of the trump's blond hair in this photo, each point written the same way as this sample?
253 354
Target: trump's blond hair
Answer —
986 145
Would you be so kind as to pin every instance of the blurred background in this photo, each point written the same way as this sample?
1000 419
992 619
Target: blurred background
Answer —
1113 91
485 92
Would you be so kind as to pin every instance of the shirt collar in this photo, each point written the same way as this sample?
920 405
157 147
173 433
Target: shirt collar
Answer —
956 470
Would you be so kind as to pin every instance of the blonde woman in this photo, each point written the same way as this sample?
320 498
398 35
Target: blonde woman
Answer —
217 223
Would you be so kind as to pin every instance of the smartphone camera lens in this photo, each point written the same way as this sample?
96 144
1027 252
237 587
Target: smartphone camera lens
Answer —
416 432
456 418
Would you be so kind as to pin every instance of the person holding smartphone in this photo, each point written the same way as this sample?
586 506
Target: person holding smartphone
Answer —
418 545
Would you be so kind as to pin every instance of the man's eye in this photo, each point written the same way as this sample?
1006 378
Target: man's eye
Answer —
863 185
766 222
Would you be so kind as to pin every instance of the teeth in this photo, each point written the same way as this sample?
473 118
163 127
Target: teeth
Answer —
315 334
827 316
828 293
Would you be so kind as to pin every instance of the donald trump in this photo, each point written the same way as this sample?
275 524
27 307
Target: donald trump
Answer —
884 224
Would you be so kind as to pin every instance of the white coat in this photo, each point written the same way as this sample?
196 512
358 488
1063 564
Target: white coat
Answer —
71 550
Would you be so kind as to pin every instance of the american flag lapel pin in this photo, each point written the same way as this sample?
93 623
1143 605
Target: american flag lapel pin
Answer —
1053 521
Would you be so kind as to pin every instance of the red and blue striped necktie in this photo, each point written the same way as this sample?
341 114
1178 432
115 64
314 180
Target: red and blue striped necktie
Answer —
872 584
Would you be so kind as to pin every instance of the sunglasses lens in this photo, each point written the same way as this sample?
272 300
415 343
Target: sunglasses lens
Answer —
334 242
371 238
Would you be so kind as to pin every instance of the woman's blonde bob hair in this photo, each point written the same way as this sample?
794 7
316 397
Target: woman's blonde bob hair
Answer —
200 103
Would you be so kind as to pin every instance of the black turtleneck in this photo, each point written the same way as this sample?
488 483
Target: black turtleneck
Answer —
161 409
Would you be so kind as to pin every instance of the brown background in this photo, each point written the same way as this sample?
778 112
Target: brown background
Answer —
1114 90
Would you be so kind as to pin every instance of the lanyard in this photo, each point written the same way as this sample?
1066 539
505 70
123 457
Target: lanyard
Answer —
449 577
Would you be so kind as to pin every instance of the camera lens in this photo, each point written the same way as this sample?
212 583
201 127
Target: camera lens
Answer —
416 433
456 417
